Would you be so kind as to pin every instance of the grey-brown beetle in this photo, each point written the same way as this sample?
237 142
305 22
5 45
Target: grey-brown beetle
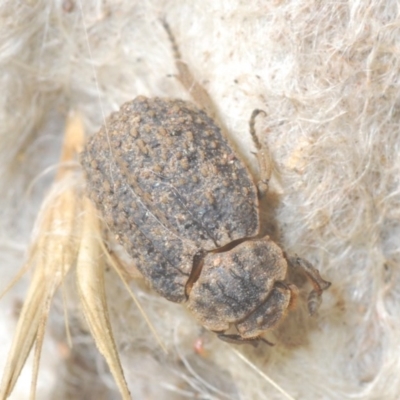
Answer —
169 186
185 208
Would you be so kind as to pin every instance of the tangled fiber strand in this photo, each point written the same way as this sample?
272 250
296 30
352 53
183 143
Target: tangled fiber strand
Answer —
327 76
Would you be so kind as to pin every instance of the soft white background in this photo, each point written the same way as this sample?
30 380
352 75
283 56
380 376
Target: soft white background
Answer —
327 74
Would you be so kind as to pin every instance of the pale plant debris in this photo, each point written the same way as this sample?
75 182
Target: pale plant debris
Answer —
90 280
67 234
52 254
262 374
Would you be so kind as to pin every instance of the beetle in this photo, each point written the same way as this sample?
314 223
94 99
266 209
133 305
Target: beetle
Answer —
186 209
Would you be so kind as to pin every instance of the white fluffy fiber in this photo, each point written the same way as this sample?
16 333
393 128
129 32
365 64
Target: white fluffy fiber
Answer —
327 73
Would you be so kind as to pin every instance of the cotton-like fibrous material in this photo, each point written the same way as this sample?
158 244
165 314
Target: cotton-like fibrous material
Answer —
326 74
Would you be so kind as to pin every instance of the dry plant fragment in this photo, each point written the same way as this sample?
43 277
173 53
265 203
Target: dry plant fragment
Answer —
90 279
67 233
52 254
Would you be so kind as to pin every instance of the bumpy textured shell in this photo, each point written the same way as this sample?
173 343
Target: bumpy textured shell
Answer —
169 186
236 283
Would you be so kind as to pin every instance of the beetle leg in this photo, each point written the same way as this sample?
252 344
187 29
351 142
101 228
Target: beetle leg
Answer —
294 293
204 100
188 81
198 262
314 298
263 157
237 339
